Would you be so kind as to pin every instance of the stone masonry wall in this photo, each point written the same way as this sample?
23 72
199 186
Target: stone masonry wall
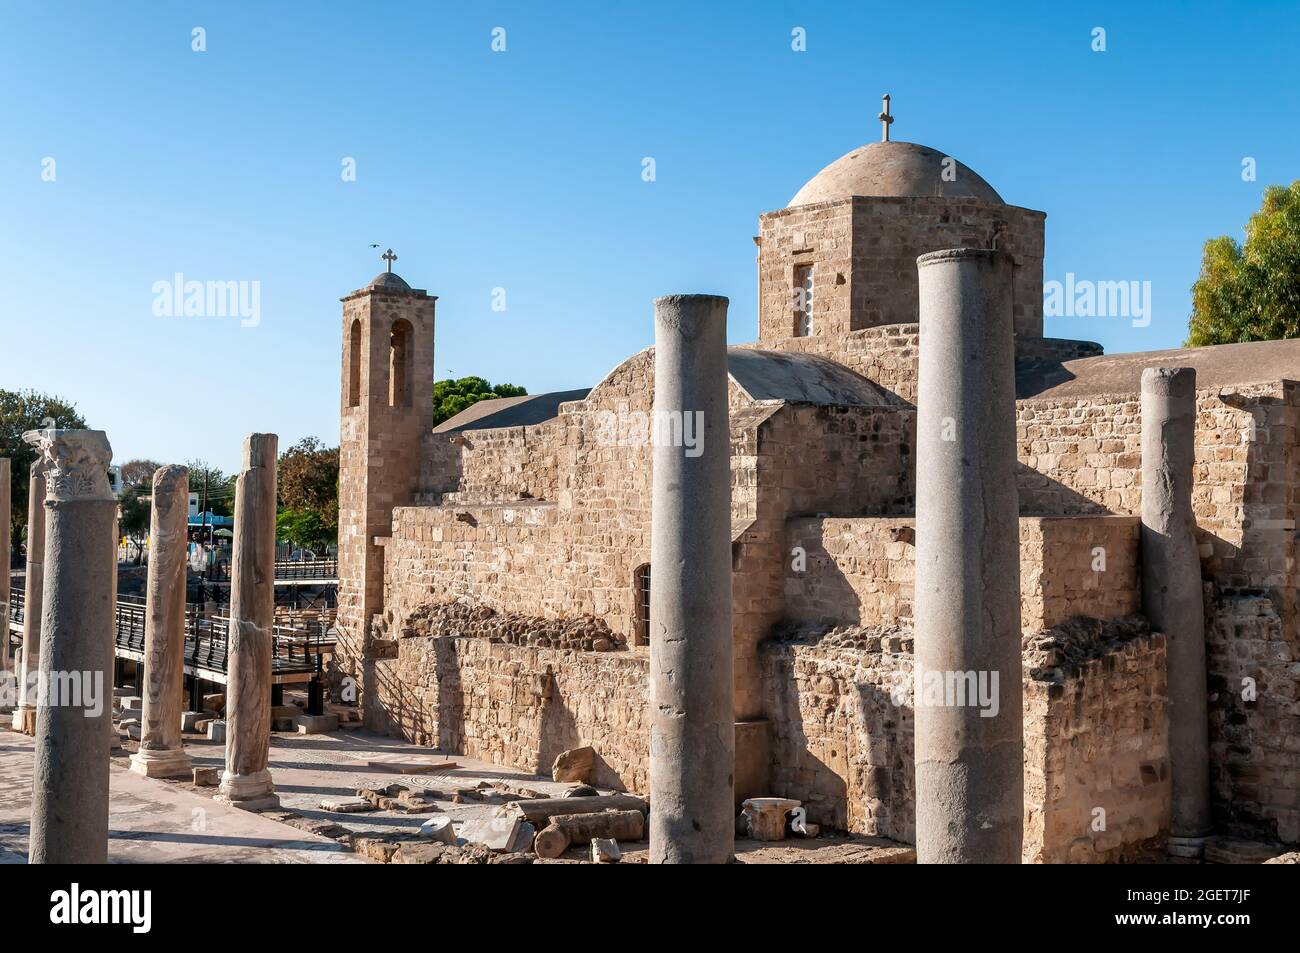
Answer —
863 253
519 706
1095 735
1086 454
860 571
493 465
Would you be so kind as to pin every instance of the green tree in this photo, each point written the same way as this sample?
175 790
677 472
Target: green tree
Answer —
308 488
308 479
134 505
1251 292
450 397
219 488
139 472
305 529
21 411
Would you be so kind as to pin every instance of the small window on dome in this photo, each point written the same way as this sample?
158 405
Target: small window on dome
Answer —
803 301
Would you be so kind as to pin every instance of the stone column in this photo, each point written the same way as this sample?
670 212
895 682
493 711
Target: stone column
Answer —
161 754
692 733
70 786
967 692
24 718
246 781
1172 595
6 494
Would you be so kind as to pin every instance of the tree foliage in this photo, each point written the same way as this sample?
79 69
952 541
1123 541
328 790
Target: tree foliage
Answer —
305 529
308 478
1251 292
134 505
450 397
308 488
21 411
138 473
220 488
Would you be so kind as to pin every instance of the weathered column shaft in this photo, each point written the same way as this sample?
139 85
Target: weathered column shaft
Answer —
6 495
246 781
24 718
70 784
692 733
1172 595
162 753
967 691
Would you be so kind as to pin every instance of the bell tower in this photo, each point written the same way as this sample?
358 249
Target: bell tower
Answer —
386 409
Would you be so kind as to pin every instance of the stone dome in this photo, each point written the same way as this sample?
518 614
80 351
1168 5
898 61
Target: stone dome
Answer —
387 281
901 169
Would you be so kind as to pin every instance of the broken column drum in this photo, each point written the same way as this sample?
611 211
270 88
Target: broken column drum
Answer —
967 690
692 734
246 781
162 753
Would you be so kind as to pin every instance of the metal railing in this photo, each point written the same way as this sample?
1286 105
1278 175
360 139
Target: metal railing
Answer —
285 569
294 649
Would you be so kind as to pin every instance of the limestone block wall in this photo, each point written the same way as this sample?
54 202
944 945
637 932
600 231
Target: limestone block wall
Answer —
491 465
1096 737
1246 498
860 571
863 253
519 706
1254 666
1096 750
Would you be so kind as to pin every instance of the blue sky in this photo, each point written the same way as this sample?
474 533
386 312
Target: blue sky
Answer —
522 170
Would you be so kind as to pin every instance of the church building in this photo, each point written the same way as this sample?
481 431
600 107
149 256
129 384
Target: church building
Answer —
495 569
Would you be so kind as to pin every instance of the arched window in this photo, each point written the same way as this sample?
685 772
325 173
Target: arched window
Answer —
354 364
641 600
399 364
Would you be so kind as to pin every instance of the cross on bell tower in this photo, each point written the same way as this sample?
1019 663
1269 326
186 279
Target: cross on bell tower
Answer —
885 119
389 257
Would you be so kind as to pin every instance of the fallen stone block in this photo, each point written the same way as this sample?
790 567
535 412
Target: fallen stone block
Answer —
581 790
604 850
133 731
405 764
206 777
377 850
132 703
346 805
498 834
189 720
576 764
523 839
565 830
316 724
215 703
538 811
439 828
217 731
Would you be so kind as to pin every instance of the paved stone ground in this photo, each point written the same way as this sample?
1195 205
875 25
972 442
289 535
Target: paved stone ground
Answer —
152 822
